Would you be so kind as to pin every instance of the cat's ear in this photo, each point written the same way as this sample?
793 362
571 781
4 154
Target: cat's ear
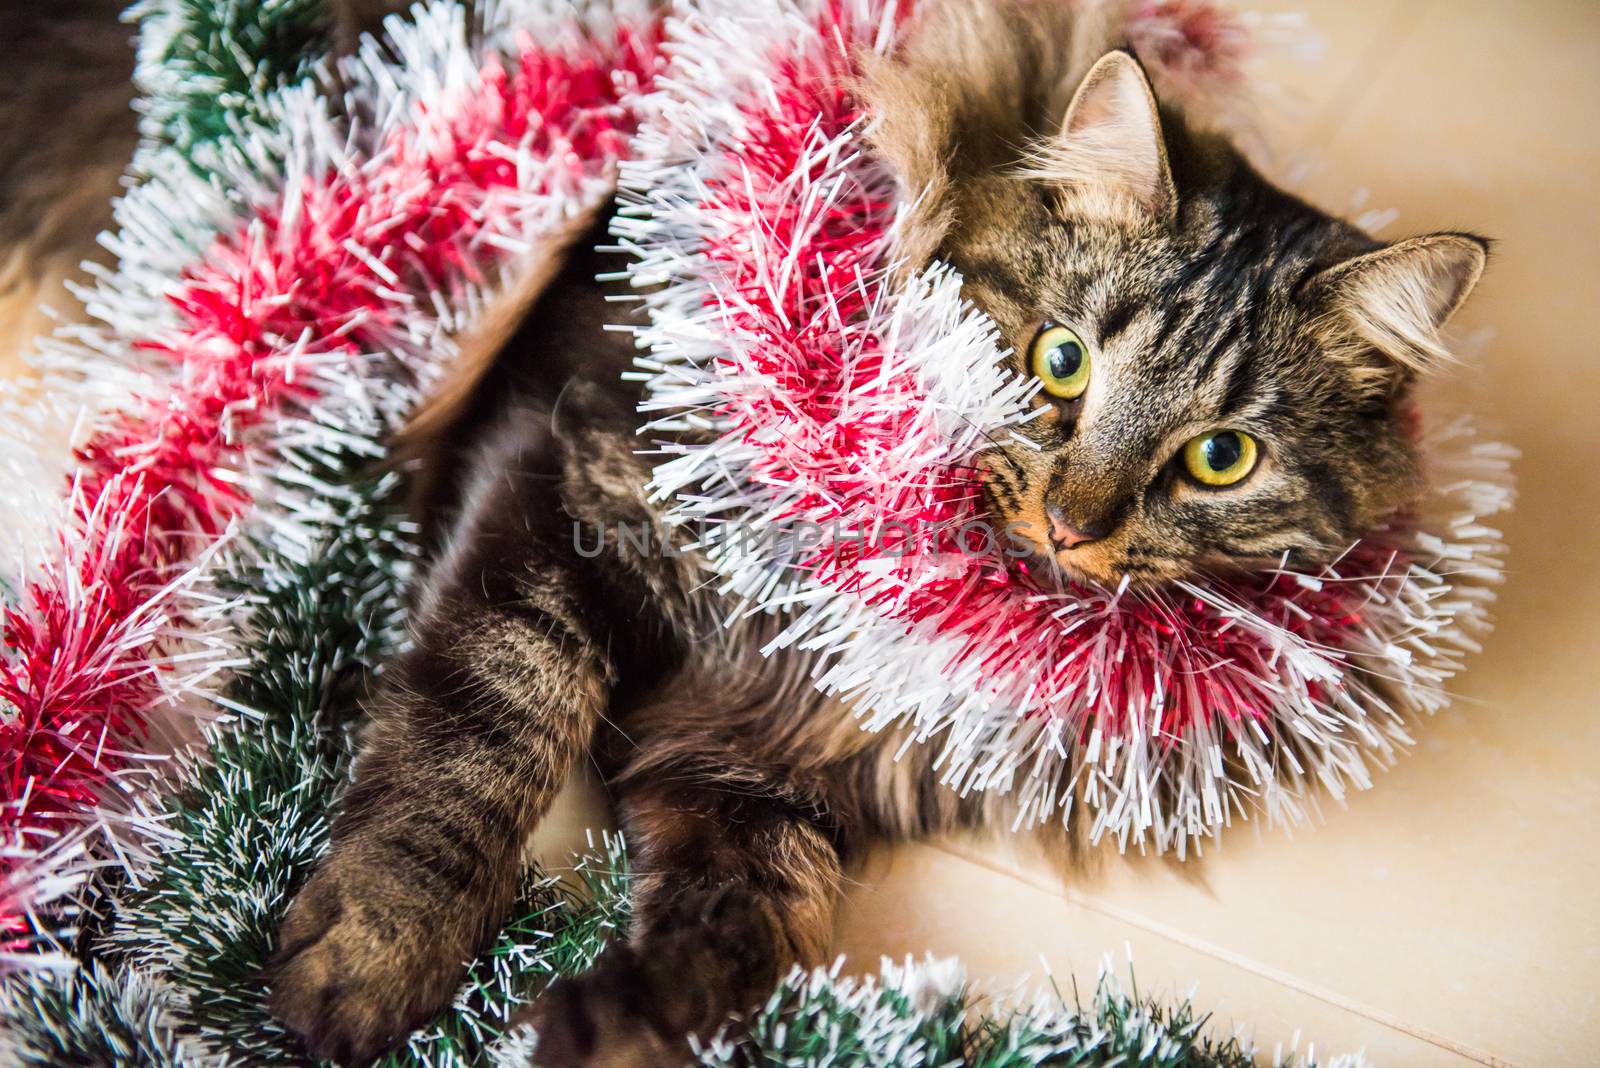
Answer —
1397 298
1109 155
913 132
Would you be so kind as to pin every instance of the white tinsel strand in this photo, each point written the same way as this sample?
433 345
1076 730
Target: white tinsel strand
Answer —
695 367
299 136
1397 671
924 1013
165 223
1327 717
92 1017
80 377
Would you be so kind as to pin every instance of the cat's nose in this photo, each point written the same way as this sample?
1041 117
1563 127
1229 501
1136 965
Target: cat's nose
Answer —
1063 535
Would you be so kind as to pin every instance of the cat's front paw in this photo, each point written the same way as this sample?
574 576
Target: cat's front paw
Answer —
610 1017
359 965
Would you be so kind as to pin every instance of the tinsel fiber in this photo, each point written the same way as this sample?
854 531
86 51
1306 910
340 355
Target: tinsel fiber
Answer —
200 586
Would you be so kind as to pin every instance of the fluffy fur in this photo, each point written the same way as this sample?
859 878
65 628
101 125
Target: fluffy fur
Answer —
1207 298
1049 178
546 637
742 790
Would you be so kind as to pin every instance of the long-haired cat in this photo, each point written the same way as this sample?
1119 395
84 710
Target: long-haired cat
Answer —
1225 371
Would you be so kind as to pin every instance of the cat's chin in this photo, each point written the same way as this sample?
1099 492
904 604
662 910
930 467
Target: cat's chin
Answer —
1055 572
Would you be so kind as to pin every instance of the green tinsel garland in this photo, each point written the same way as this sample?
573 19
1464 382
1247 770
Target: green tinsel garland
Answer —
253 819
178 978
915 1016
95 1017
205 65
172 972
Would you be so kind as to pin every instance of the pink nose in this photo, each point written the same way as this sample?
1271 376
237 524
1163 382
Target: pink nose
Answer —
1063 534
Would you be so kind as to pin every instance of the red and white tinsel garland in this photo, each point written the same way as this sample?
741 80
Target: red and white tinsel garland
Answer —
318 284
331 272
849 405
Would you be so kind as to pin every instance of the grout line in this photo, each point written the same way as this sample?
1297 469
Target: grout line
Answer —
1236 960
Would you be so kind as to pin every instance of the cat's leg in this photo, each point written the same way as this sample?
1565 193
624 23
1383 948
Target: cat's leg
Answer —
734 883
479 725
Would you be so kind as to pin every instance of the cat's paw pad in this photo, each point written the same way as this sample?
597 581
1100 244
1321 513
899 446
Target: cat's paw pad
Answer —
353 977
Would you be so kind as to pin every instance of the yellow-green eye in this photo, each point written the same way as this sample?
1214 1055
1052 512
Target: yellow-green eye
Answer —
1061 361
1220 457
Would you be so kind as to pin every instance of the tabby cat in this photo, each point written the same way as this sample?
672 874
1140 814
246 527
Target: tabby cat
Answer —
1225 373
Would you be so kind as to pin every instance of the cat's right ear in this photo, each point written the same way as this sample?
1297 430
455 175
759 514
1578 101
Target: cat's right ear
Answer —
1397 299
1109 157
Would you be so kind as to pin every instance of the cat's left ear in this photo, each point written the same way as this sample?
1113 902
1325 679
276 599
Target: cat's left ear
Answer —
1398 298
1109 157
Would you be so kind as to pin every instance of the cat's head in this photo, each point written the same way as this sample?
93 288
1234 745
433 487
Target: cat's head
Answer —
1225 372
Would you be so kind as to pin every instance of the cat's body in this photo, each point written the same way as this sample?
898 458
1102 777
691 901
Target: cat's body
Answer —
742 792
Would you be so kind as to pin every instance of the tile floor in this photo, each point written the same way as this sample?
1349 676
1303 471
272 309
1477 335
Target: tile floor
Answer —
1448 916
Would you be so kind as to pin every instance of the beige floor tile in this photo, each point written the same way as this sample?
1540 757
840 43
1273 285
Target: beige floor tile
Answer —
1024 933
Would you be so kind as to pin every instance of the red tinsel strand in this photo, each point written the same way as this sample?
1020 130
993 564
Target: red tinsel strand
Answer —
805 337
315 279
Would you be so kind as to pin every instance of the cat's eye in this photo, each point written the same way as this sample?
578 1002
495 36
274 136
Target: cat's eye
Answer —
1220 457
1060 360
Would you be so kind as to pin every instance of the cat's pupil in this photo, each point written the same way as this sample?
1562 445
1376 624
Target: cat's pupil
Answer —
1065 359
1223 450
